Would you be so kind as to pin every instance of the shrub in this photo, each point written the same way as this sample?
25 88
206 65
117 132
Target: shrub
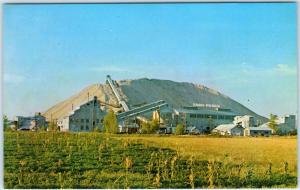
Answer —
53 126
179 129
110 122
146 128
150 127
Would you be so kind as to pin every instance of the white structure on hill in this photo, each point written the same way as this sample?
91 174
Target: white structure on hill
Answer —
229 129
86 117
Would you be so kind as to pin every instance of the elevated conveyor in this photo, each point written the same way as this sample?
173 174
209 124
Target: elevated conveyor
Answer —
136 112
116 93
143 109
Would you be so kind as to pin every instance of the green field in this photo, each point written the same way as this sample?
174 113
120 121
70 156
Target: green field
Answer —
94 160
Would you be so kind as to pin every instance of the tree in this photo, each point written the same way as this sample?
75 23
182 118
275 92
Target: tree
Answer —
150 127
179 129
6 123
154 125
272 123
110 122
146 128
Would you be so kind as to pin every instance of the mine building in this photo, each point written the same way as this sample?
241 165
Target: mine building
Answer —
262 130
31 122
87 117
245 121
229 129
204 118
286 123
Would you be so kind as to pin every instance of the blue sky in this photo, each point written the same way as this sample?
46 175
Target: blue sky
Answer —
247 51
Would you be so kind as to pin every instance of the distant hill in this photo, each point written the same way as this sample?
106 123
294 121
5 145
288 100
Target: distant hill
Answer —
141 91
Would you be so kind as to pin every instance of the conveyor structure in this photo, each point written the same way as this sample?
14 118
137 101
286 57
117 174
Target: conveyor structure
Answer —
136 112
116 93
143 109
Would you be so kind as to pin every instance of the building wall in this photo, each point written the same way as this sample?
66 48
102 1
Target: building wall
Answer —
31 122
257 132
286 123
245 121
237 131
203 122
87 118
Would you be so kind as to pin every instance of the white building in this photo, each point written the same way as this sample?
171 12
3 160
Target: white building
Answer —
286 123
86 117
245 121
229 129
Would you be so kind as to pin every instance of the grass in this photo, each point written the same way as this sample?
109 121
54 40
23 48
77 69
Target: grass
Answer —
94 160
253 150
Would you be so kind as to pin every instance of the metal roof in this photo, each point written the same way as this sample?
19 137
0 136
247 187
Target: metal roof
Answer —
259 129
205 111
226 127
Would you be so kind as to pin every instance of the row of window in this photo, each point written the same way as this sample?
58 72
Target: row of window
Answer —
82 120
206 116
82 127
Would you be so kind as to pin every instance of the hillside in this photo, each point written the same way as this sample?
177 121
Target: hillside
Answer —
141 91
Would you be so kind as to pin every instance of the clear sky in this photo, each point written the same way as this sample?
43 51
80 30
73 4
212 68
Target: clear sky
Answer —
247 51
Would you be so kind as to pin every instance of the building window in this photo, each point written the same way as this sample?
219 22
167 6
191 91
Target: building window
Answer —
82 120
87 128
81 127
193 116
87 120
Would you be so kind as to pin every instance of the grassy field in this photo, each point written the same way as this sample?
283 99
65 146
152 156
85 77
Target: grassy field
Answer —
94 160
254 150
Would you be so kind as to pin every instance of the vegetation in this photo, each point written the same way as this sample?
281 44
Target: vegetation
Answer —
53 126
258 151
110 122
272 123
179 129
5 123
95 160
150 127
42 128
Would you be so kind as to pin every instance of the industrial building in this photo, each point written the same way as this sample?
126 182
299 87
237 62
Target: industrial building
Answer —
31 122
204 118
87 117
243 126
229 129
262 130
286 124
245 121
